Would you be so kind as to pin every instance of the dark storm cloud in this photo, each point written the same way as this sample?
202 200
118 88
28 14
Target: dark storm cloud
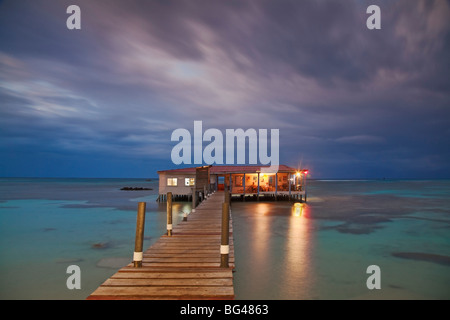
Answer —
342 96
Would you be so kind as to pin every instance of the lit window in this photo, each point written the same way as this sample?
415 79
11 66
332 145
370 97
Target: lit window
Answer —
189 181
172 182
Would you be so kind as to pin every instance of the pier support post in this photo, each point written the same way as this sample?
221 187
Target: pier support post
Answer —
169 214
224 244
258 187
227 197
289 183
276 186
243 184
139 241
194 199
226 192
305 187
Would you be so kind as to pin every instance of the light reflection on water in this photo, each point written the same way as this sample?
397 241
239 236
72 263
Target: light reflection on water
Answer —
298 271
261 228
278 240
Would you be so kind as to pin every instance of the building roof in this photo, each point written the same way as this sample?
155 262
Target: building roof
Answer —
231 169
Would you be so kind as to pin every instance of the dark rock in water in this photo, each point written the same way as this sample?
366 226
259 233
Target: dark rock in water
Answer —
420 256
369 219
101 245
49 229
353 228
135 188
393 286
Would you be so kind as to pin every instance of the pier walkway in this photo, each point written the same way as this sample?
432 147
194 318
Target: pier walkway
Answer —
185 265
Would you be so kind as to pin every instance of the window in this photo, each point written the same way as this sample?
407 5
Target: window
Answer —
238 181
172 182
189 182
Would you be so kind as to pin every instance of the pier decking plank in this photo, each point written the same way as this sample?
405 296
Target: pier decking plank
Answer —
183 266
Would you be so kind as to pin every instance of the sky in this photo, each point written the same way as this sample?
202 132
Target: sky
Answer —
103 101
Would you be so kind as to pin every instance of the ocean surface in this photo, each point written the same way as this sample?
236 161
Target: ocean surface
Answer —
317 250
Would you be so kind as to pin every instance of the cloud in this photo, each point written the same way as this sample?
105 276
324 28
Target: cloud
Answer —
139 69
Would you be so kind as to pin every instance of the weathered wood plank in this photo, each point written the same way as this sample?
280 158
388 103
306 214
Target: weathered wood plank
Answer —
180 251
130 268
180 291
180 260
172 275
158 282
182 264
193 245
184 255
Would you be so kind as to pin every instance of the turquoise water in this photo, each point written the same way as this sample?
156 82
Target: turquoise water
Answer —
47 226
322 251
318 250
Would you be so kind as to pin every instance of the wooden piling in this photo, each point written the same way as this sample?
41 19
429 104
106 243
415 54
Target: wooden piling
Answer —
194 200
139 241
169 214
225 196
258 187
224 245
304 186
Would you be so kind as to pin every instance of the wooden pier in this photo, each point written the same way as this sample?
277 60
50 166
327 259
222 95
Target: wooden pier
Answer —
185 265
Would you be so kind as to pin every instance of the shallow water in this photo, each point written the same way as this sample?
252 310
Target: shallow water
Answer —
321 250
318 250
